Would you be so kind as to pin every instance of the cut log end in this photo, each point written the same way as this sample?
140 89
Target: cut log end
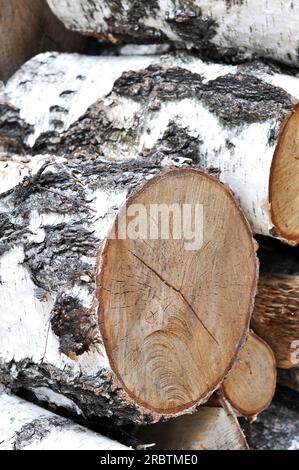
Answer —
284 182
173 315
250 385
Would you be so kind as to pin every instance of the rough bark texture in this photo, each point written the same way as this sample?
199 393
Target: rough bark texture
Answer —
220 117
50 220
55 213
24 426
276 316
233 30
27 28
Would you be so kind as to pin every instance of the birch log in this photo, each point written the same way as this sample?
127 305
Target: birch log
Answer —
233 30
142 328
210 428
24 426
27 28
238 121
250 385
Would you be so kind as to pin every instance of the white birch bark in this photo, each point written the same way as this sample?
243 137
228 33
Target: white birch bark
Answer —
230 29
32 356
55 217
225 131
25 426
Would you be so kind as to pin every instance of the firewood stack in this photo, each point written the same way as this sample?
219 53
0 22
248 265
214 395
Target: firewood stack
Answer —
141 188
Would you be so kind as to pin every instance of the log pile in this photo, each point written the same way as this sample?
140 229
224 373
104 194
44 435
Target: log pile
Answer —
131 189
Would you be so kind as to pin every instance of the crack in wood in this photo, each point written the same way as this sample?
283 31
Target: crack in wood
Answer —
178 291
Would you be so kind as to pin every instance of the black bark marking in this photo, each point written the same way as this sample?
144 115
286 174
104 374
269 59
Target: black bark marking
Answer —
75 326
13 129
37 430
188 22
177 143
244 98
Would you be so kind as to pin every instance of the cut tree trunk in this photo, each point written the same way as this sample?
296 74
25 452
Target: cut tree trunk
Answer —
276 312
210 428
233 30
250 385
234 120
24 426
138 327
27 28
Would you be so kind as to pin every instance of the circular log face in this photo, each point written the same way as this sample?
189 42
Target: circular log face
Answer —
173 314
284 182
250 385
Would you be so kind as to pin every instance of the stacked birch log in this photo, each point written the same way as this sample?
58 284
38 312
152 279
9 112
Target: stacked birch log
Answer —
148 328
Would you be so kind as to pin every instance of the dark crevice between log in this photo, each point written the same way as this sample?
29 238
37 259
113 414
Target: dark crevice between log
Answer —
276 428
276 257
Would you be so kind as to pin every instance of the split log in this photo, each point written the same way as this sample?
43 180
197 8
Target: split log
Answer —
210 428
27 28
250 385
24 426
233 30
276 312
140 328
236 121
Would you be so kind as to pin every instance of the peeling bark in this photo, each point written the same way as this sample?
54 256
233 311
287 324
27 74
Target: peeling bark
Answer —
231 30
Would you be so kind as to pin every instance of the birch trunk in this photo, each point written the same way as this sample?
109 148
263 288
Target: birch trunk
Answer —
115 328
24 426
233 30
235 120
